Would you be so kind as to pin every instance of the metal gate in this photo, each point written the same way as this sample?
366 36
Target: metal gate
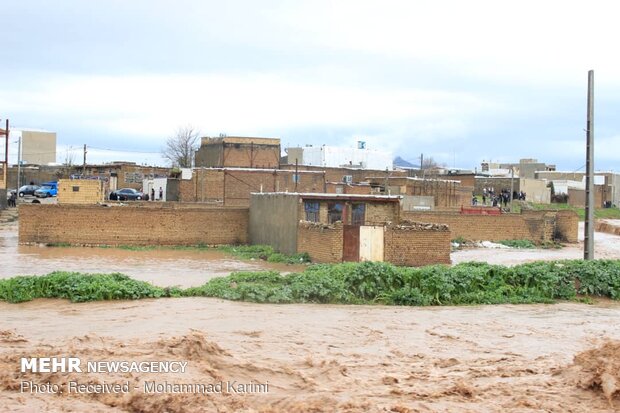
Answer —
351 243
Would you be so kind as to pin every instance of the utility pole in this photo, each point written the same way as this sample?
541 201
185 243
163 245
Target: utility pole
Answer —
84 164
512 186
5 170
588 245
421 161
19 162
296 173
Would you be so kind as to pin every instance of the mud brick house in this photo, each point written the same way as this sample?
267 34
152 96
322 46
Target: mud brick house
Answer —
346 174
238 152
233 186
121 174
344 227
446 193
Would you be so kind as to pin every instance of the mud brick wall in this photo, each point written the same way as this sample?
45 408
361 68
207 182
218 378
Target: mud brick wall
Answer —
80 191
567 226
537 226
378 213
239 152
342 188
252 156
322 242
140 224
335 174
232 187
187 190
417 245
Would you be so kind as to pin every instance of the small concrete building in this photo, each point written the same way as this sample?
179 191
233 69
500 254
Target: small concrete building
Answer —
333 156
81 191
238 152
446 193
38 147
340 227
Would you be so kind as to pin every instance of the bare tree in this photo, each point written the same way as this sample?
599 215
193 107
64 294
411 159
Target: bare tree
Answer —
67 164
69 158
429 163
180 147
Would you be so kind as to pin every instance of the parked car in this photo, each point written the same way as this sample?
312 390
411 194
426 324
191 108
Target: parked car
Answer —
126 194
47 189
27 190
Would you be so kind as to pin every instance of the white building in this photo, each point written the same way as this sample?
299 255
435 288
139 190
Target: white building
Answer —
333 156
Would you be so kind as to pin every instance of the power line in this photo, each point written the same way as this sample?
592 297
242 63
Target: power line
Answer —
121 150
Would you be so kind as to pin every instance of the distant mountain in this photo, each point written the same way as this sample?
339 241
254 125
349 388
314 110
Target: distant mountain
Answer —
400 162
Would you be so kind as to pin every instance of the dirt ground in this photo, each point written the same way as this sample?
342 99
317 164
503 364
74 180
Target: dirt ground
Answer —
322 358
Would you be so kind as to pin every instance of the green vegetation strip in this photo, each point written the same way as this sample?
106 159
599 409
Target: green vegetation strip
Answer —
248 252
351 283
599 213
518 243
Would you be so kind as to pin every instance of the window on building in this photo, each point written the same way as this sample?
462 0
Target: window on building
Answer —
312 211
334 212
358 214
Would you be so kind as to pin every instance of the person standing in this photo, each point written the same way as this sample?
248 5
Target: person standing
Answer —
152 194
161 194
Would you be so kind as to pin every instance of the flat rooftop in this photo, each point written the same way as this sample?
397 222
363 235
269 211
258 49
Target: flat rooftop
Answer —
240 140
310 195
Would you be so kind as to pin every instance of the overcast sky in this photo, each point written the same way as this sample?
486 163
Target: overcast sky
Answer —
460 81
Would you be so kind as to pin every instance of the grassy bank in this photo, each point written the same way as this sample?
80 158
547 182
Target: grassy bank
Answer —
599 213
351 283
80 287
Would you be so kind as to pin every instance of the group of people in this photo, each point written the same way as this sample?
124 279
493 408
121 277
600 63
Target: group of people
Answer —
490 197
152 196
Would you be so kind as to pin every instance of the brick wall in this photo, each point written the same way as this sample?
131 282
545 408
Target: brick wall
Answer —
140 224
537 226
80 191
379 213
417 244
567 226
577 197
322 242
239 152
353 189
336 174
252 156
232 187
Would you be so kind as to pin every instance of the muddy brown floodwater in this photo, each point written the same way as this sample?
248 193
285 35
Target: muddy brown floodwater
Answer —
606 246
319 358
302 358
162 267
